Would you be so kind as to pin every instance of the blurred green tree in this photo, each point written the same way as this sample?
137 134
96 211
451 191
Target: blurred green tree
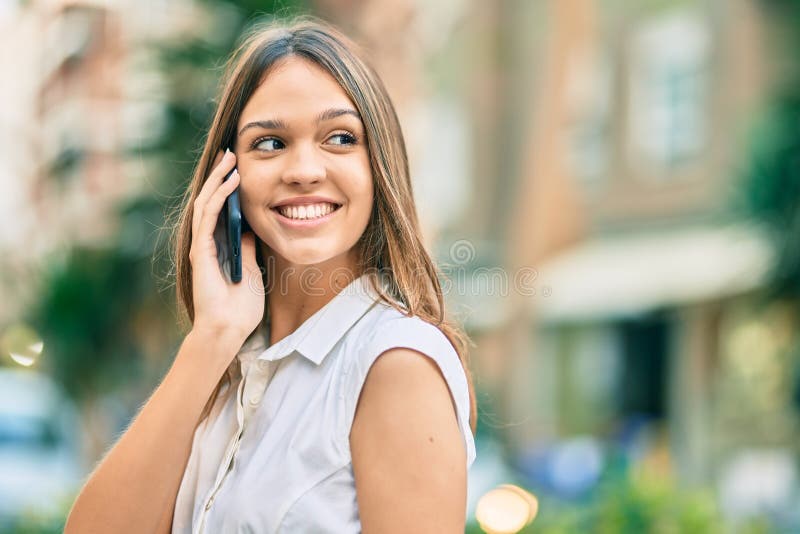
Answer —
771 189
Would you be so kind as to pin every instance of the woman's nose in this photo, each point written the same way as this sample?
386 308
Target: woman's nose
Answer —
304 166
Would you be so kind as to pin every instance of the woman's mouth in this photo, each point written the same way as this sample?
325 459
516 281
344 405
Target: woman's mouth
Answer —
306 215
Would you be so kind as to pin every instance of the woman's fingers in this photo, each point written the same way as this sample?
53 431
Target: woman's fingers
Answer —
212 208
223 164
218 158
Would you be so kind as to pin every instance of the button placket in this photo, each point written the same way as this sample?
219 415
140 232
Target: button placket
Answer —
254 390
264 371
230 453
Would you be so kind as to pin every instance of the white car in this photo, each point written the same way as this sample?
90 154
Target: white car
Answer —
40 466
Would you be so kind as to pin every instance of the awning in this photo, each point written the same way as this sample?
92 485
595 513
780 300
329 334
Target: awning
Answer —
629 274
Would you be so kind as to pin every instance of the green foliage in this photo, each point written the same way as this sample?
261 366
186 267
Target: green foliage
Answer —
629 507
771 186
35 522
84 316
624 506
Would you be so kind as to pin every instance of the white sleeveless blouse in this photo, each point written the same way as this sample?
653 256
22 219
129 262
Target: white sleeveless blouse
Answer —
274 453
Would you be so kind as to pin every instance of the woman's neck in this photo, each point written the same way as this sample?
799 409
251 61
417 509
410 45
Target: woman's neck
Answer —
296 292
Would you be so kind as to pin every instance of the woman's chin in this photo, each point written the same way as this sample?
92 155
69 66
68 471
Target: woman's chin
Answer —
305 258
327 251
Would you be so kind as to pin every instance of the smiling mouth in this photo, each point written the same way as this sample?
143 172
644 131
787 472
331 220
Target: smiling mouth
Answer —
307 212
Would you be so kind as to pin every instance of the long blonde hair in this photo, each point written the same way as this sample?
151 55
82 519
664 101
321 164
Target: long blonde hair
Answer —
392 242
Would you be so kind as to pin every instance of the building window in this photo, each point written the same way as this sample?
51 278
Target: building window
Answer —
668 98
588 126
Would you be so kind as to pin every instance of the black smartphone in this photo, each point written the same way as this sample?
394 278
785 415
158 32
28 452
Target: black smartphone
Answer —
235 225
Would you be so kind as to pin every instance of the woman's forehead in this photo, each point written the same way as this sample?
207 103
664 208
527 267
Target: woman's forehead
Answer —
295 88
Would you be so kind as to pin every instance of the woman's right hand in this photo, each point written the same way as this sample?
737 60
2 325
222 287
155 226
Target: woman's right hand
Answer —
221 306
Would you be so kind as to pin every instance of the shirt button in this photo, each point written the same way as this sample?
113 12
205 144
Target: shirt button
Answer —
255 400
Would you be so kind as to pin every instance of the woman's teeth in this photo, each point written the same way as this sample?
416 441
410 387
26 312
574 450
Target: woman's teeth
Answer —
307 211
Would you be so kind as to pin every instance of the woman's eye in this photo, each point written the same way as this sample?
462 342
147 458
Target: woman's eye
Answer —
268 144
343 139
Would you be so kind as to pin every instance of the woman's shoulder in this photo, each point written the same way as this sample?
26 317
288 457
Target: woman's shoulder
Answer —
385 327
385 323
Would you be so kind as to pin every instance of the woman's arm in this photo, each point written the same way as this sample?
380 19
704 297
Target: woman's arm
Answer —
130 490
409 460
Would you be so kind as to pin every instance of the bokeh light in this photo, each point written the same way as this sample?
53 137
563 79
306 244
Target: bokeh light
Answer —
506 509
22 344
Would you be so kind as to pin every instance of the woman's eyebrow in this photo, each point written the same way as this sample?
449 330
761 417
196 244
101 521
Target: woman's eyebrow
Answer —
277 124
332 113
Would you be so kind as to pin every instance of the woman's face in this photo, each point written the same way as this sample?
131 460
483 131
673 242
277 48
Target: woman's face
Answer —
306 185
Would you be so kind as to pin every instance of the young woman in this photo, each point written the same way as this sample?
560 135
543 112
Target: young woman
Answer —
324 392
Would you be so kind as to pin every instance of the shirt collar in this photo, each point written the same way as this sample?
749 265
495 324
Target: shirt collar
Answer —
315 338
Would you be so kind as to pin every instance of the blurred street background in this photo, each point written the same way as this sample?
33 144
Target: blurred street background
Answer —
611 189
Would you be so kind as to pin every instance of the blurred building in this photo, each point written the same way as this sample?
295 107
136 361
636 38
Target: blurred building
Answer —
80 99
615 291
